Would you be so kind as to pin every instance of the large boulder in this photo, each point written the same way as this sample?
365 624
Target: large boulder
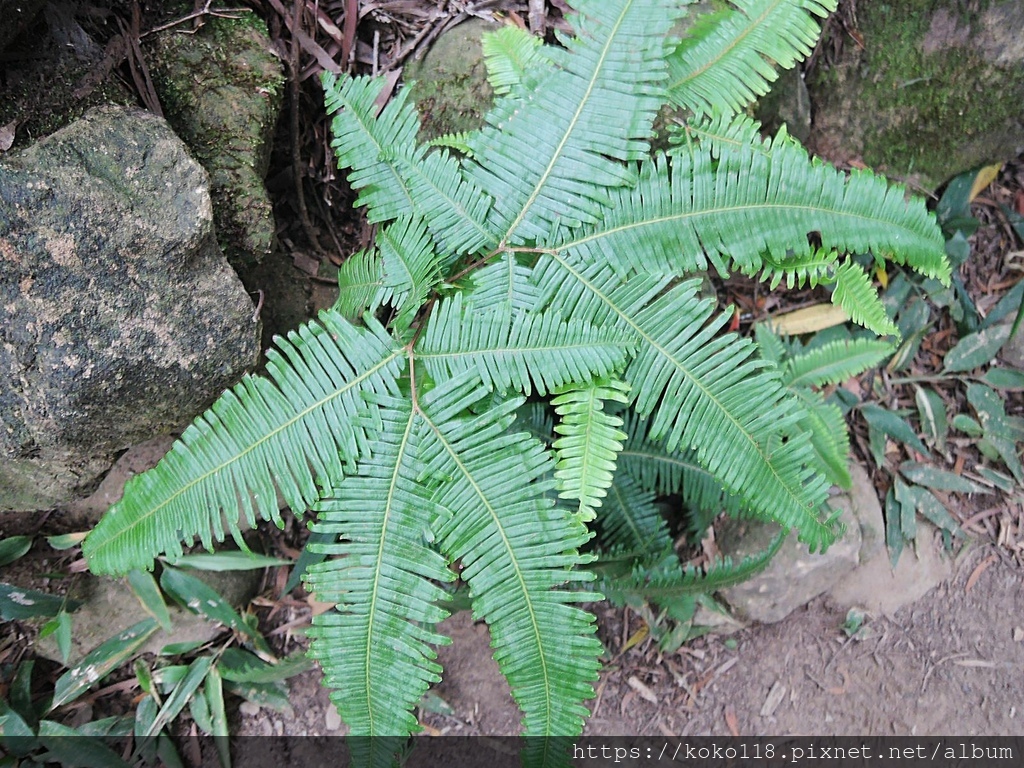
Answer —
119 317
936 89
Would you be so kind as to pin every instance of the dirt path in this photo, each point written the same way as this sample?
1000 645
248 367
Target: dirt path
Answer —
952 662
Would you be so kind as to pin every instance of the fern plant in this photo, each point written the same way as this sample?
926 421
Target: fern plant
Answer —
545 255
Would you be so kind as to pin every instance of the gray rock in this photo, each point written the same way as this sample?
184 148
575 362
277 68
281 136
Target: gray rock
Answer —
221 91
450 85
795 577
935 89
877 587
119 317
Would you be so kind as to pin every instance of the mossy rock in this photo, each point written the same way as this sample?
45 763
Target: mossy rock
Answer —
449 85
221 90
936 90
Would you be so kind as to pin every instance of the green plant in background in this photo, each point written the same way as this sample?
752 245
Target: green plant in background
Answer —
192 676
545 255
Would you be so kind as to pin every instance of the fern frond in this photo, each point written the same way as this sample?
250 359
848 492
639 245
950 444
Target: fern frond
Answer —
363 141
375 645
535 418
265 435
590 439
811 269
771 179
728 63
410 266
734 201
522 352
505 283
770 344
454 208
630 521
512 56
664 585
549 151
391 171
858 298
516 549
459 141
829 436
672 472
706 393
360 278
834 363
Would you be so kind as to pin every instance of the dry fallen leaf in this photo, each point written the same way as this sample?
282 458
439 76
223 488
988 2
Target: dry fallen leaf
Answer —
808 320
731 721
645 693
976 573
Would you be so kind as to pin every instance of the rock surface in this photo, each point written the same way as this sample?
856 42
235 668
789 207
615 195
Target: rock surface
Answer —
119 317
855 572
221 91
450 85
935 90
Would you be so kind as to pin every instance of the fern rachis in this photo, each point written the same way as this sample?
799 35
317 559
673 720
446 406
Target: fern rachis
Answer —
551 258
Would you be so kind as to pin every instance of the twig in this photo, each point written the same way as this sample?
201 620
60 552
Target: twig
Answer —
293 110
206 10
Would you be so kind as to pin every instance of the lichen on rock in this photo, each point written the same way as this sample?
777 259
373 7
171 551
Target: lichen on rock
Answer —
120 319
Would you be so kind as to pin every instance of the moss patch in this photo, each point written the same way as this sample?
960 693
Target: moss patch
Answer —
931 94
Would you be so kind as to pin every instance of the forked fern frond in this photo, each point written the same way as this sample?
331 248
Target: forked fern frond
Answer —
375 645
410 267
590 439
730 61
855 294
517 549
830 439
281 433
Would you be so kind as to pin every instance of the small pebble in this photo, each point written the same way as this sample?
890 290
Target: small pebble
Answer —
332 720
249 709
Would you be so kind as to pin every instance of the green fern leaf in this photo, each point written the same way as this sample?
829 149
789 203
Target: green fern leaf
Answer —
855 294
664 585
811 269
631 522
360 279
835 362
705 392
505 283
512 56
673 472
375 646
727 63
829 436
522 352
410 267
547 160
264 435
363 141
736 202
858 213
516 550
590 439
395 176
